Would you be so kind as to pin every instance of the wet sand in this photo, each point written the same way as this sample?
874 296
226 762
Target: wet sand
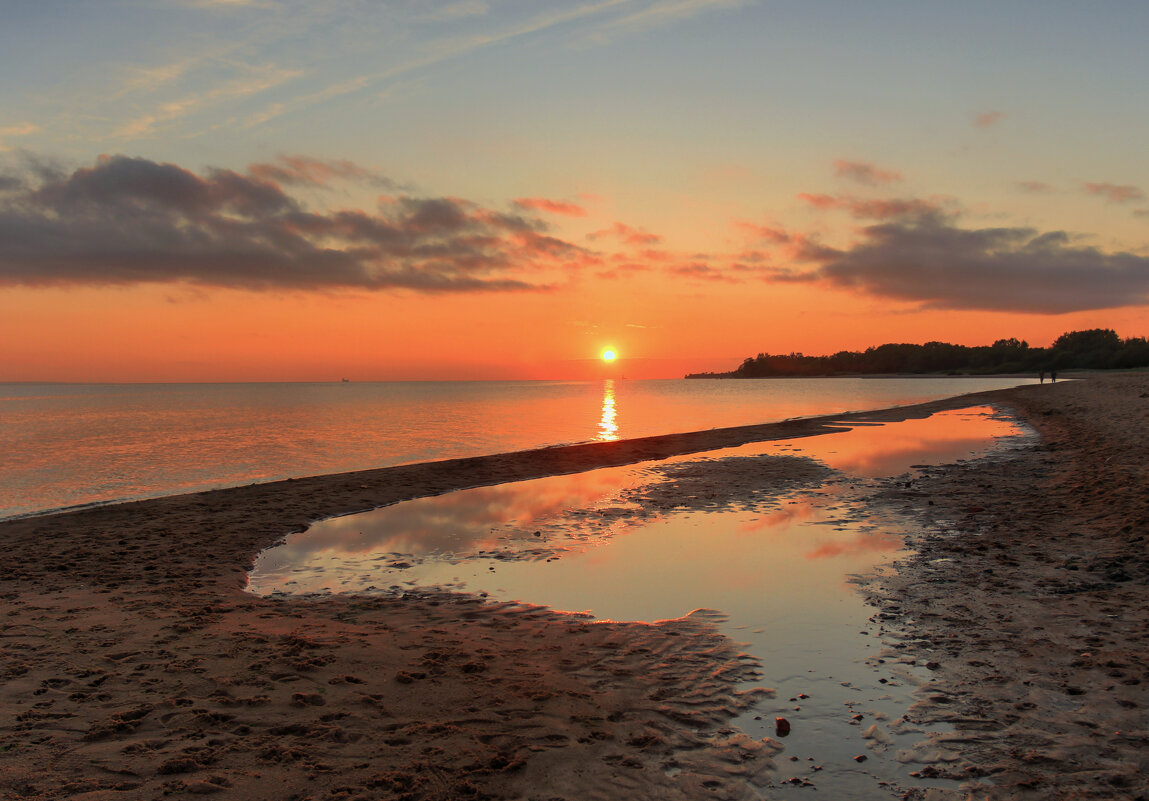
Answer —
135 665
1028 599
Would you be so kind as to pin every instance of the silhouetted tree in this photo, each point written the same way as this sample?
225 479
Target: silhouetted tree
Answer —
1097 348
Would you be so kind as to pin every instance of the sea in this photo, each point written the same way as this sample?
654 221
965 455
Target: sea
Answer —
72 445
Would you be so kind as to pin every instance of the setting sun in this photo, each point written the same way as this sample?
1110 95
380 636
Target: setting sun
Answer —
608 355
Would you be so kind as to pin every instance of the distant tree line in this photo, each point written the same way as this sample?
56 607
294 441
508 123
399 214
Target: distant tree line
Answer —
1095 349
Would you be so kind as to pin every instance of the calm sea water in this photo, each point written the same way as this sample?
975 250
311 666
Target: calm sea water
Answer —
63 445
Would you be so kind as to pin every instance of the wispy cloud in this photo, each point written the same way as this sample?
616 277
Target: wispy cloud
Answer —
626 234
19 129
987 119
451 12
864 173
657 13
1115 193
131 220
303 101
148 79
307 171
1034 187
260 80
551 206
600 15
438 52
232 3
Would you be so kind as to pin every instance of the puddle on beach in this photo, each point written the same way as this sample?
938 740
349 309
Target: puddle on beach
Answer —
771 534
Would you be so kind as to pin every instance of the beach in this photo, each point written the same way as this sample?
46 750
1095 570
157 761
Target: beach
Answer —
1027 599
136 665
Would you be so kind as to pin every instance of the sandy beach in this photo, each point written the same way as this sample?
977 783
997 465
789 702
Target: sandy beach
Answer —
136 666
1028 600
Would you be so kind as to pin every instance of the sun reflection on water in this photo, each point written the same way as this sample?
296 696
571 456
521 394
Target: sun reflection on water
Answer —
608 424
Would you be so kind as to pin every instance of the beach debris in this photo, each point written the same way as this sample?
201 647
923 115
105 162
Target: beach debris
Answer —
781 727
860 758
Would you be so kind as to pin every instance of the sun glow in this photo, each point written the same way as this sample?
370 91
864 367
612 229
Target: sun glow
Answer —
609 355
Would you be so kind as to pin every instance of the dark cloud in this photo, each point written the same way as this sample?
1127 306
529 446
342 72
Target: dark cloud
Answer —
939 265
1115 193
864 173
130 220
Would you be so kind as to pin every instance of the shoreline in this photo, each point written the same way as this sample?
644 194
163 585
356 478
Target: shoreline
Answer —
160 663
168 458
518 465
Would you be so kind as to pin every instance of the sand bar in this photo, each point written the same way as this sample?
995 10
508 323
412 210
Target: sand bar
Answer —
136 666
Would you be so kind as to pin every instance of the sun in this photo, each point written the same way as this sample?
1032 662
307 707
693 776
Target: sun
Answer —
609 355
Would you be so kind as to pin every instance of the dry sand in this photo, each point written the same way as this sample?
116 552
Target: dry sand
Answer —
136 667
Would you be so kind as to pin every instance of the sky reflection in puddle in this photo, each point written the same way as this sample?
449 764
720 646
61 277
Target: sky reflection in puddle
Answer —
657 540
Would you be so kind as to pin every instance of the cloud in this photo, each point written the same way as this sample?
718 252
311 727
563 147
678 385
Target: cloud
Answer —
128 221
1115 193
934 262
307 171
864 173
1034 187
774 234
456 11
551 206
988 119
658 13
702 271
878 208
260 80
233 3
627 234
21 129
336 90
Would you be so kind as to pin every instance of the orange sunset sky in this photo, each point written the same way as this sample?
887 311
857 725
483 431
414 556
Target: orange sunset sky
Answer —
203 190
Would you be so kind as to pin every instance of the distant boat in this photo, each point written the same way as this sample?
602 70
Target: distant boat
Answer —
345 380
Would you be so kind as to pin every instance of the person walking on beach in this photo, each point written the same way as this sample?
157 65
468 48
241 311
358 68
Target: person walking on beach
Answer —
1053 376
1041 376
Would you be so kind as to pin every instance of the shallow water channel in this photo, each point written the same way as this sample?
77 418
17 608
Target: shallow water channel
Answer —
771 534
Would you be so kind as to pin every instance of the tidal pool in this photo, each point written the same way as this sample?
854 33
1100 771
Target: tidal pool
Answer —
773 535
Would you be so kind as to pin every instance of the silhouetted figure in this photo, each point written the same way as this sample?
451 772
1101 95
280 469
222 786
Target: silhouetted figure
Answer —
1053 376
1041 376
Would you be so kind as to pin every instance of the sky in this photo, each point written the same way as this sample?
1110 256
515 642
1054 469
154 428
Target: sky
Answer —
262 190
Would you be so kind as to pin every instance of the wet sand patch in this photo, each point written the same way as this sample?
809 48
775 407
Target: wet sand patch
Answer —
769 534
